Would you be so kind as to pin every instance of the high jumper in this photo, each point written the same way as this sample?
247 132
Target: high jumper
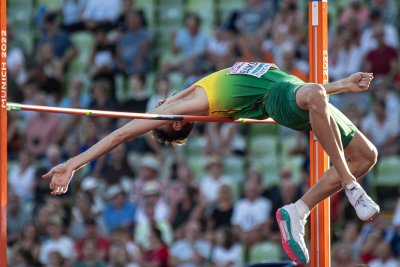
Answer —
259 90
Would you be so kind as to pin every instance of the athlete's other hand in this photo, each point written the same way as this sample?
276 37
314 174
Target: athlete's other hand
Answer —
359 81
60 176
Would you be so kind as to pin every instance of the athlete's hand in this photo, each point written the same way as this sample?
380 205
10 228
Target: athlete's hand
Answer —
359 81
60 176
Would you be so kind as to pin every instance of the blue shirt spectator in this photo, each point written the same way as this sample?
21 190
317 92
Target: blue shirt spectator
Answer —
119 212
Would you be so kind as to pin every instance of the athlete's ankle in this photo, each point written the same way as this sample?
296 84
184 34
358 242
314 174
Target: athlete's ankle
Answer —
302 209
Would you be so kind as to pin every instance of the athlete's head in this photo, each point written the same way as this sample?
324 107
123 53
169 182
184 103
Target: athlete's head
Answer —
174 133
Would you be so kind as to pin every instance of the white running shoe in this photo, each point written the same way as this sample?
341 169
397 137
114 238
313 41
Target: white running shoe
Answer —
292 234
365 207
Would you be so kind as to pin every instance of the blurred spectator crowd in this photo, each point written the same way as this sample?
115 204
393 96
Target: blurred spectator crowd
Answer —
211 202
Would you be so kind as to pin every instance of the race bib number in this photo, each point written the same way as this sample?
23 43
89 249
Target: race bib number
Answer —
256 69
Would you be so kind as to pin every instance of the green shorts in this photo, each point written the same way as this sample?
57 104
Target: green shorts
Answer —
282 107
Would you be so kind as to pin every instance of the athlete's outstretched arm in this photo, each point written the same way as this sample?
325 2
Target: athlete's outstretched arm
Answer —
187 102
357 82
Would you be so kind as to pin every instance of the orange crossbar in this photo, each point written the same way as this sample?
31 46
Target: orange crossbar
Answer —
319 163
130 115
3 134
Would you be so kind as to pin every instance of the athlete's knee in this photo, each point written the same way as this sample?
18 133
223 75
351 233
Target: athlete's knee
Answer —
316 98
366 160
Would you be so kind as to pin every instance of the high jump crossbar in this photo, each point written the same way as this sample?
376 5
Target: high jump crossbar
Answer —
130 115
318 61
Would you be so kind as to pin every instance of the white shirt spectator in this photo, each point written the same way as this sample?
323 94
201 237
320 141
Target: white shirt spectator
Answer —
379 132
369 43
183 250
16 65
348 62
222 256
64 245
250 214
22 182
100 10
161 212
210 187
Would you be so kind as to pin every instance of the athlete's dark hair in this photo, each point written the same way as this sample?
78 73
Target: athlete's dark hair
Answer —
173 137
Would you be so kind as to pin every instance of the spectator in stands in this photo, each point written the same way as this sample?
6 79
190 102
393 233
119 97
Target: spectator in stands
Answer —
254 19
90 258
226 252
211 183
45 57
45 84
102 96
100 243
119 212
221 212
117 169
151 196
162 92
191 250
290 63
181 206
148 171
144 227
18 215
380 126
347 55
16 62
190 44
56 259
384 257
57 242
157 253
389 10
28 243
21 178
76 96
127 8
119 256
63 49
382 61
357 11
251 216
224 139
220 48
349 237
368 41
102 57
342 256
42 129
133 49
122 238
288 23
99 12
138 96
72 11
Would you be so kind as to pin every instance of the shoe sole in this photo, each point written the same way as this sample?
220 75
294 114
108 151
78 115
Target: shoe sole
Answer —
289 244
372 217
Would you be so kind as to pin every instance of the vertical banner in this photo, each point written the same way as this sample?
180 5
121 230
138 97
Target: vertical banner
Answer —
319 162
3 134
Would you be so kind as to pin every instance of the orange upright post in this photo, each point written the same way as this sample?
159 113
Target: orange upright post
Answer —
3 134
318 60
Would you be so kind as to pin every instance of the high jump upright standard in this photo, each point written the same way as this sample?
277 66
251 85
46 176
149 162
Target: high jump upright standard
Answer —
318 62
3 134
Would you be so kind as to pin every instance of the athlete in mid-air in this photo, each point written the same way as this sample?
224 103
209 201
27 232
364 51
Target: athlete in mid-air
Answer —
261 90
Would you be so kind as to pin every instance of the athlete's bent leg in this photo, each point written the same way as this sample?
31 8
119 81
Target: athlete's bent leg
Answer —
313 98
361 156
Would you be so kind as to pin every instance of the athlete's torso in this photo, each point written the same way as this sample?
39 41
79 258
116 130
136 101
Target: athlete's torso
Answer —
240 91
